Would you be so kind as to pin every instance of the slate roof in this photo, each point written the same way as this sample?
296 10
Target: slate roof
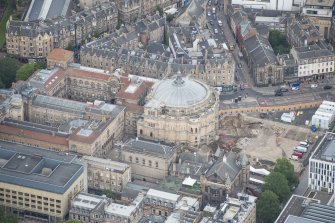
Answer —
229 165
260 51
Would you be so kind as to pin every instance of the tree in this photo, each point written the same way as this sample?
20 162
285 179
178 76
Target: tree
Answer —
277 183
285 167
25 71
267 207
110 194
8 68
7 217
278 42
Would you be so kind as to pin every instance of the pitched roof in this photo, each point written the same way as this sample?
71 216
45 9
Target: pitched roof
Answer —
60 55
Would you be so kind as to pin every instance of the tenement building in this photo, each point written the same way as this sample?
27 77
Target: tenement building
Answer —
130 11
180 111
39 183
104 174
314 61
322 165
149 161
301 31
37 39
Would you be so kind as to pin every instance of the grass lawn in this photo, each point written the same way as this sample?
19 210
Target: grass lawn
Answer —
9 10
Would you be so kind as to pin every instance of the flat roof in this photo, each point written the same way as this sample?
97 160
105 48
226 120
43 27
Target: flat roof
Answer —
36 168
87 201
296 219
163 195
108 164
325 150
125 210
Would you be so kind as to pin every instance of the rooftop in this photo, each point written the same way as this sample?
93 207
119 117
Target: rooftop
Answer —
37 168
108 164
178 92
87 201
162 195
303 207
60 55
149 147
328 3
325 150
125 210
48 9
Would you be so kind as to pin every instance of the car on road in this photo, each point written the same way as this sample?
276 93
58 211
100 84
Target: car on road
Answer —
211 22
214 16
239 65
295 88
216 31
209 14
314 85
283 89
220 22
278 93
327 87
209 3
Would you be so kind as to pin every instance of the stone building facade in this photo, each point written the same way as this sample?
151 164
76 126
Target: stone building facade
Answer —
180 111
103 174
227 175
35 40
301 31
262 61
149 161
130 11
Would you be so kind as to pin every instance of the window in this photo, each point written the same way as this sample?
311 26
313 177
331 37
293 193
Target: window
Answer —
143 161
136 159
156 164
150 163
130 159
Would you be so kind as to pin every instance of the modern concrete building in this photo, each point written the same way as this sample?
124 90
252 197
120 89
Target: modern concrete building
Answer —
149 161
180 111
280 5
322 165
39 183
104 174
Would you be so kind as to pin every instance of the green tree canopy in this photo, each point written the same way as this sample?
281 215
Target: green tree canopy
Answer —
278 42
285 167
8 68
277 183
267 207
7 217
110 194
25 71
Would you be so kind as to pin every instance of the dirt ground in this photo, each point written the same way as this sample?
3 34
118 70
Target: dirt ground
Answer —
265 141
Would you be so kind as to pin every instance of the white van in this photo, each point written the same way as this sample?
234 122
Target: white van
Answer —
314 85
304 144
220 22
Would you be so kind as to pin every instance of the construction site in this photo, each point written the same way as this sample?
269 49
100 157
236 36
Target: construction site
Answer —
264 141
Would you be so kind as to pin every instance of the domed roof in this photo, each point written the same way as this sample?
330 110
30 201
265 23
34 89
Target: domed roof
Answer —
179 92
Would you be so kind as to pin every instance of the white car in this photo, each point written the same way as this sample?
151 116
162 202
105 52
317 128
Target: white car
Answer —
314 85
220 22
209 13
216 31
295 88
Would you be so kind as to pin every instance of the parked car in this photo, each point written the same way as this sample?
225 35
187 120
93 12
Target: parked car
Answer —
220 22
209 3
327 87
209 14
314 85
295 88
216 31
